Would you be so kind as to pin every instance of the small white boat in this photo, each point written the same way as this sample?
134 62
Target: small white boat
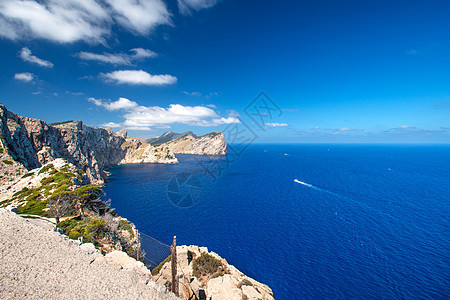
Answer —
304 183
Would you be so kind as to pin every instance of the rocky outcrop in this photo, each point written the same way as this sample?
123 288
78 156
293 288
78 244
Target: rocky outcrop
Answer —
226 283
28 143
139 151
209 144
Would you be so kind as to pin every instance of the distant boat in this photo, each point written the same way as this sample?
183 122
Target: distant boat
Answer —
304 183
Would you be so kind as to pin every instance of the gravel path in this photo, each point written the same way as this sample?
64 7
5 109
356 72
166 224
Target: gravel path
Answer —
39 264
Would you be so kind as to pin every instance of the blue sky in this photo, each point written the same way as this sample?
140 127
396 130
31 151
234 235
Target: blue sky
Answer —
340 71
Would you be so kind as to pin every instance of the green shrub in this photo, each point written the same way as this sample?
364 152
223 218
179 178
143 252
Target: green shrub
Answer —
7 162
81 172
88 192
125 225
156 270
46 168
90 229
28 175
205 265
33 207
67 225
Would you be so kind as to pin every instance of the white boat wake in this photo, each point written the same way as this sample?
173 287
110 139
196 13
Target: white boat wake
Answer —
304 183
315 187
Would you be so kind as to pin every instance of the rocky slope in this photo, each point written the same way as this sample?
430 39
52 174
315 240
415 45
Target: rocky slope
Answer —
188 143
28 143
213 277
42 264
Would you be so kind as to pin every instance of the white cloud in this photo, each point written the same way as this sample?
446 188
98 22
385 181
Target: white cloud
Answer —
145 117
212 105
187 6
140 16
27 77
137 77
69 21
25 55
118 58
140 53
111 124
276 124
58 21
122 103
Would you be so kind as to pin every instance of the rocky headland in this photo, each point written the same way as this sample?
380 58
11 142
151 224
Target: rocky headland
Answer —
188 143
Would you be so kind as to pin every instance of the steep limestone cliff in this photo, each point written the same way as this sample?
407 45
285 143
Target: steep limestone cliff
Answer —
28 143
188 143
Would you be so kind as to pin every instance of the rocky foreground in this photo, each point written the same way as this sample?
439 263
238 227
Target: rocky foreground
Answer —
40 264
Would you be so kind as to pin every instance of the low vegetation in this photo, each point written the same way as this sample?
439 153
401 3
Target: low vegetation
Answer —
92 230
7 162
207 265
156 270
60 123
79 210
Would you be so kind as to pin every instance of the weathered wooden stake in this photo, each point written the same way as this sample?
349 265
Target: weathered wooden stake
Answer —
173 252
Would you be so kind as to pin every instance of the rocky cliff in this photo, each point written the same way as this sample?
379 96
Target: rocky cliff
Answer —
206 275
188 143
28 143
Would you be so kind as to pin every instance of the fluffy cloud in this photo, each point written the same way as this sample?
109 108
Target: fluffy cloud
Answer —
25 55
122 103
69 21
140 16
118 58
138 77
187 6
27 77
144 117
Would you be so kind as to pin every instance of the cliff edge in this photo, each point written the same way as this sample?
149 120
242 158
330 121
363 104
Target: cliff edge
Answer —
28 143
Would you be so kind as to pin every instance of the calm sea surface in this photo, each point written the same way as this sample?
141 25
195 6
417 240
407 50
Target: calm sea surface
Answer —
361 222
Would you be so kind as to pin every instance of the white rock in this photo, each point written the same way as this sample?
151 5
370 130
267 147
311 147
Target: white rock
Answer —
250 292
89 248
223 287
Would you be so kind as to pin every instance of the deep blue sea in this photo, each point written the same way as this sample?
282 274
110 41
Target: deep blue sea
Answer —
367 221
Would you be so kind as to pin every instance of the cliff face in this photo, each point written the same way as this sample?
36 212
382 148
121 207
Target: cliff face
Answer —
139 151
226 282
209 144
29 143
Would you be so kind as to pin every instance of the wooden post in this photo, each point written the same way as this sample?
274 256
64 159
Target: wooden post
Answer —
137 247
173 252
